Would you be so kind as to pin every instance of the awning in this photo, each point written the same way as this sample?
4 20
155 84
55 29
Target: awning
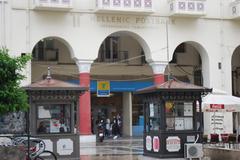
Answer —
221 103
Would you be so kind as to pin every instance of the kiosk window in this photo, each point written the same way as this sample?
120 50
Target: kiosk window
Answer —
179 115
53 118
154 119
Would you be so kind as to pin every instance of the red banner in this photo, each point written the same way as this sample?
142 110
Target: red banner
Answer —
217 106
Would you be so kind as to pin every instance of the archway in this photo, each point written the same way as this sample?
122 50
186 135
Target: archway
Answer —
54 52
236 72
121 62
188 63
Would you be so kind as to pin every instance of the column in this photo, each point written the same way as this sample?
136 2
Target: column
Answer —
158 72
127 114
84 127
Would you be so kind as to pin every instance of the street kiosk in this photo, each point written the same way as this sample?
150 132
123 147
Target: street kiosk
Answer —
172 117
53 115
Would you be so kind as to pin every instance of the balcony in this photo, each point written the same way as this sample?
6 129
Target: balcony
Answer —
125 6
59 5
187 8
235 9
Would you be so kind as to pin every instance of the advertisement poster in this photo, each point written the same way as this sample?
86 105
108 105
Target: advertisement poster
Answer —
218 122
149 143
156 144
188 109
173 144
64 146
151 109
54 126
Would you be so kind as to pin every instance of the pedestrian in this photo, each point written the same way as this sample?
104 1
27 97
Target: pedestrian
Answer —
119 122
114 128
108 127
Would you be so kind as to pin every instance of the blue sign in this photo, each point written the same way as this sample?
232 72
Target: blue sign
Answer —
120 86
103 88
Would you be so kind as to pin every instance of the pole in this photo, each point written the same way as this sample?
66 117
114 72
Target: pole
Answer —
237 125
167 49
28 135
28 127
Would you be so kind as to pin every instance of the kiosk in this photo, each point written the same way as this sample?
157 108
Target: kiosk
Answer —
53 115
172 117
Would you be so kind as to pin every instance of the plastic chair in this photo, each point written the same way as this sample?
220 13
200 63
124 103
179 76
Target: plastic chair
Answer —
214 138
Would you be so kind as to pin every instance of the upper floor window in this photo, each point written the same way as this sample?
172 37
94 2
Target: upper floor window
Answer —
109 50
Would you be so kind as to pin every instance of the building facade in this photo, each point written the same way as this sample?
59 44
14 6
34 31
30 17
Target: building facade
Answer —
129 44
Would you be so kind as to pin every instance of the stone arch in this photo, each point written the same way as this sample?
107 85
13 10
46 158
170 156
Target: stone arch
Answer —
64 41
203 56
135 36
235 68
55 52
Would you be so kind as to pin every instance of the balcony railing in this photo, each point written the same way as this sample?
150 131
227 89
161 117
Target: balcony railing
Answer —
235 9
191 8
64 5
128 6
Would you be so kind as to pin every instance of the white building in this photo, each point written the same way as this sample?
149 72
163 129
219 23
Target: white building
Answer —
125 40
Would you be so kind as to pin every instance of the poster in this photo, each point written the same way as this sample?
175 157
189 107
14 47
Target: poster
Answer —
151 110
43 113
170 123
173 144
54 126
218 122
149 143
188 123
156 144
64 146
188 109
179 123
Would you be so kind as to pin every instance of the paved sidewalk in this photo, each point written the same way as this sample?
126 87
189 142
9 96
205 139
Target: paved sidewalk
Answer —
120 146
119 149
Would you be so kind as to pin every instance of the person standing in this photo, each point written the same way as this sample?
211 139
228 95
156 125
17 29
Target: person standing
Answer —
114 128
119 122
108 127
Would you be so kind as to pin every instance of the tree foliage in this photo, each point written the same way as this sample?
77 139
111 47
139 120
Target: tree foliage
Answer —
12 96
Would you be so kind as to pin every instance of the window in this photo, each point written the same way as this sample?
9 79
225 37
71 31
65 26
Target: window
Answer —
53 118
109 50
179 115
154 118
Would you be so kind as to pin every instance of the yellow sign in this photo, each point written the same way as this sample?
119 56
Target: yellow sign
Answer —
103 88
103 85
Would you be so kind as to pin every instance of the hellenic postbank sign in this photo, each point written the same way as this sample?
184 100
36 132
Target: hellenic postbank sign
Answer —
103 88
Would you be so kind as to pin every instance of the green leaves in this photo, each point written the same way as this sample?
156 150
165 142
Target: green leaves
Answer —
12 96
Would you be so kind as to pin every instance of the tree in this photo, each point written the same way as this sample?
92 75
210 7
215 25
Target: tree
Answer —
12 96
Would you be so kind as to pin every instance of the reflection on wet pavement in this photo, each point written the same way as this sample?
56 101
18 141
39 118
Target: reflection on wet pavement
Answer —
123 157
119 149
113 147
110 157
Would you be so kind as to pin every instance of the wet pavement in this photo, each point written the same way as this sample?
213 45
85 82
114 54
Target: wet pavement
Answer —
119 149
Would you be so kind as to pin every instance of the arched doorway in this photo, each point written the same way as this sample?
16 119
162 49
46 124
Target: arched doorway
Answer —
186 64
236 72
121 62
